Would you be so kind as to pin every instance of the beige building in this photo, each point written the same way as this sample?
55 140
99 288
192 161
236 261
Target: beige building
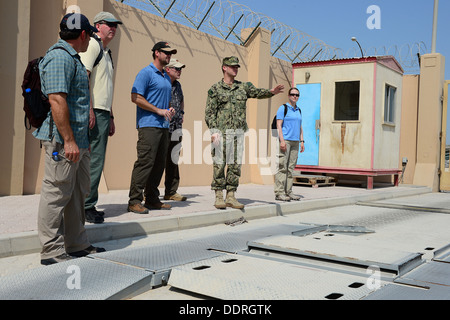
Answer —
32 27
352 116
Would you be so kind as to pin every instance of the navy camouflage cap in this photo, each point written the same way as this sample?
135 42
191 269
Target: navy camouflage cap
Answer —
231 61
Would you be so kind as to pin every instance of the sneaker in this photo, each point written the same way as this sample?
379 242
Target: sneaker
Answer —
293 197
61 258
89 250
93 216
175 197
137 208
157 206
282 197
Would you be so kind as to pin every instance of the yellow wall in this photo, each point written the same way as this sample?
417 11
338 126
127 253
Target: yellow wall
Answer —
202 54
33 26
408 130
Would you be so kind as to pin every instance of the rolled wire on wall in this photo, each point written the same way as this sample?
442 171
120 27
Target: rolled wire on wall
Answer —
226 19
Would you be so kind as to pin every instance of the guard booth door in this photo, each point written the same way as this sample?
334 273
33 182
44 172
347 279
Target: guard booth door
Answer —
309 102
445 142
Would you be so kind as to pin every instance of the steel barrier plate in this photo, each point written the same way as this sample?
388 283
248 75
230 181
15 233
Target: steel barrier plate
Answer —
430 281
233 242
430 273
442 254
350 251
238 277
403 292
158 257
78 279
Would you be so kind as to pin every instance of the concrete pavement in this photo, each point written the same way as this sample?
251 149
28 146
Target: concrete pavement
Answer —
18 223
197 217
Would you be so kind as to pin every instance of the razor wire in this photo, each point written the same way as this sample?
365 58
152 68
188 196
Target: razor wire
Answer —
226 19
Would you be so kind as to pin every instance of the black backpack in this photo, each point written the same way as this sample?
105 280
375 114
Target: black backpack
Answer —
274 121
36 104
100 55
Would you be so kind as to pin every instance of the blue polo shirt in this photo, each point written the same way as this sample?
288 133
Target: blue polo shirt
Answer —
62 72
292 122
156 88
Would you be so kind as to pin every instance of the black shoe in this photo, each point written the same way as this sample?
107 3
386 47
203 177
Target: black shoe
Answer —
94 216
87 251
61 258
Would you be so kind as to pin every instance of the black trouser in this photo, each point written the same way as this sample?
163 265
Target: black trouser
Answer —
148 169
172 179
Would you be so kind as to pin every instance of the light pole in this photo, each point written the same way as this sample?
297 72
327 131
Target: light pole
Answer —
354 39
435 18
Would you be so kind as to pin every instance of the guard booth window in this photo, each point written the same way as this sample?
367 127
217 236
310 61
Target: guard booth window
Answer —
346 102
389 104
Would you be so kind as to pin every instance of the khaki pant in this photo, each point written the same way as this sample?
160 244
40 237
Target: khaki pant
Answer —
286 165
61 208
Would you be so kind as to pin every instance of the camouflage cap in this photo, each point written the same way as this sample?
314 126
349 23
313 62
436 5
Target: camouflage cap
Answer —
231 61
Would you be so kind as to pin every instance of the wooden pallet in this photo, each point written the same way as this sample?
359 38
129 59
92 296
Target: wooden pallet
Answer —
314 181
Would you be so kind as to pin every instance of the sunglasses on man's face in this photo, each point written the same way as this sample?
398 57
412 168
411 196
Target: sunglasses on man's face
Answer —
176 68
294 95
166 52
110 24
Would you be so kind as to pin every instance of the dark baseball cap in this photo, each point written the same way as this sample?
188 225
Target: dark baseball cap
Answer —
164 46
76 21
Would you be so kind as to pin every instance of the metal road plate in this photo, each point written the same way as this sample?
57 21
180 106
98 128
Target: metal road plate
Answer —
442 254
237 277
233 242
158 257
79 279
430 273
404 292
350 251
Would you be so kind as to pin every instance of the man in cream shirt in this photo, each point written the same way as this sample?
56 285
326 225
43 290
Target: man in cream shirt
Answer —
98 62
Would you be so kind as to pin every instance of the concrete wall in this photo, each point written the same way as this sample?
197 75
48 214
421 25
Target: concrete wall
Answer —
15 26
408 130
429 125
31 27
22 161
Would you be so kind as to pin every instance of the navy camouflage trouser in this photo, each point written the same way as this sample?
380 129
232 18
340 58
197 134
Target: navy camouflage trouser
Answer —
228 154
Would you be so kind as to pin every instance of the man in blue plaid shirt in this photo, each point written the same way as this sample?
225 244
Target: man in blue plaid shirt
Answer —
64 135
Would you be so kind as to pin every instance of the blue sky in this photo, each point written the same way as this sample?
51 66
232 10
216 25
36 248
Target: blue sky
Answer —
403 23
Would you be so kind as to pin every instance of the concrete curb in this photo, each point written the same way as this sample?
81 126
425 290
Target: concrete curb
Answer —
28 242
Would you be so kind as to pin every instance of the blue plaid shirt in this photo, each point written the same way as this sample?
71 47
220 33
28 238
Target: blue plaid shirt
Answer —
62 72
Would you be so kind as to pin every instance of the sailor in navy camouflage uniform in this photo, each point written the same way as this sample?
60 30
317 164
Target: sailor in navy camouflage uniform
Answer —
225 116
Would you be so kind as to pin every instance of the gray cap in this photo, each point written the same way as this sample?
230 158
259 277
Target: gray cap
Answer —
106 16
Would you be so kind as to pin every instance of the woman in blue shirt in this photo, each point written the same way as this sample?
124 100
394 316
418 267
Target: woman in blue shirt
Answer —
290 133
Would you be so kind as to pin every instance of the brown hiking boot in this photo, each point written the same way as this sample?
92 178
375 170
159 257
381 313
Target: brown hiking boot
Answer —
219 204
137 208
175 197
232 202
157 206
